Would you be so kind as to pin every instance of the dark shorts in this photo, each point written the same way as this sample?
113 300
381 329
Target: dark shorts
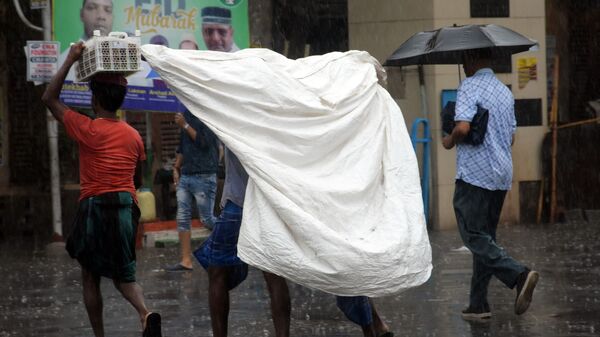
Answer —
103 235
220 249
356 308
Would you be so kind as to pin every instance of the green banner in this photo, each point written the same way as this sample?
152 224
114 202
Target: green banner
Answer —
175 23
220 25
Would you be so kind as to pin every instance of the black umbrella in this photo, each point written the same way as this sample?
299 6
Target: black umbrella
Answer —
448 44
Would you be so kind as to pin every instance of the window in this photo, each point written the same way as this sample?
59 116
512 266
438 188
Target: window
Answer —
528 112
490 8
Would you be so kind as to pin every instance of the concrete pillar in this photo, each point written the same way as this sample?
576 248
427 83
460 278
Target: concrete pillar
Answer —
260 14
4 118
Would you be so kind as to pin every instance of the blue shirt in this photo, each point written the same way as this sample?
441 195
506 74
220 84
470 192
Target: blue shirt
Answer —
200 156
488 165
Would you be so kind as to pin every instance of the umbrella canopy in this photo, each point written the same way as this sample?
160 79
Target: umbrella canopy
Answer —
448 44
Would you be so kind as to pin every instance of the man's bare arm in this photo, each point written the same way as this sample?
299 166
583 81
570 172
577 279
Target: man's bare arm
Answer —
460 131
177 168
51 96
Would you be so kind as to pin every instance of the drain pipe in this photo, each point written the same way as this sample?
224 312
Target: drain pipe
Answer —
24 19
423 93
425 182
52 129
52 126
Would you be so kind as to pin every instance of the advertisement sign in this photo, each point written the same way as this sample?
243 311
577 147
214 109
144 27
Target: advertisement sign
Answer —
220 25
527 70
42 60
448 95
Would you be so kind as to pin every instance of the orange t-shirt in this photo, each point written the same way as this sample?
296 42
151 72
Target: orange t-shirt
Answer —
109 151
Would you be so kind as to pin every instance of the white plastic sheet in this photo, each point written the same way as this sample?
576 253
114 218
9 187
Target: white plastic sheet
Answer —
334 200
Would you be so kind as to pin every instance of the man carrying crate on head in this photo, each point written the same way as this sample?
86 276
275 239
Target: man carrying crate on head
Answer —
110 155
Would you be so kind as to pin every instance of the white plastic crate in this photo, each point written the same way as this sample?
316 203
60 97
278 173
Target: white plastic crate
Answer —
115 53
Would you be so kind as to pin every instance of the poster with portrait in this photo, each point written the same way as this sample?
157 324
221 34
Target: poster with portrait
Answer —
220 25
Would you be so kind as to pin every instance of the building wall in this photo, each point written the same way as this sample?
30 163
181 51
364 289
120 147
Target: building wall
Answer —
260 17
380 27
24 194
4 121
4 116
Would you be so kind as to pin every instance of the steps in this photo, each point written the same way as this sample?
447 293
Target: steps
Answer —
161 234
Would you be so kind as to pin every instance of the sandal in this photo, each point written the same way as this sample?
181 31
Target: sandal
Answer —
153 327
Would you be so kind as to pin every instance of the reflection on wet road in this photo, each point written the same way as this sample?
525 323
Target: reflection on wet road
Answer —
41 294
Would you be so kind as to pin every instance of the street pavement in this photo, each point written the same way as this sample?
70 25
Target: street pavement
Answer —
40 293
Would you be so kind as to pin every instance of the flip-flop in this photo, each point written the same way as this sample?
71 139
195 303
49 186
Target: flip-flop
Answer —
153 326
177 267
387 334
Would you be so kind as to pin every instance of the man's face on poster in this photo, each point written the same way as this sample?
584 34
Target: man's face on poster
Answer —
218 37
97 15
189 45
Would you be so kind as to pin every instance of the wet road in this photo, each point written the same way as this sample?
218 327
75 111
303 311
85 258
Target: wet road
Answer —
41 294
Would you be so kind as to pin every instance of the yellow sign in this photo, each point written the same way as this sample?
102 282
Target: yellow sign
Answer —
527 70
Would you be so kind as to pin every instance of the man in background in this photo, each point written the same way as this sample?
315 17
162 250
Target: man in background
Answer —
483 176
195 177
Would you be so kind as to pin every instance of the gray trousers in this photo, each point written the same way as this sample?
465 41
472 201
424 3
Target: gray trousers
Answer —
477 213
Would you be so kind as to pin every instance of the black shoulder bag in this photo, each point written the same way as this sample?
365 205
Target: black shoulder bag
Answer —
478 124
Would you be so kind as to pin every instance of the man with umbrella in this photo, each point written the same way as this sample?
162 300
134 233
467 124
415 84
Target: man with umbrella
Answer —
483 176
484 171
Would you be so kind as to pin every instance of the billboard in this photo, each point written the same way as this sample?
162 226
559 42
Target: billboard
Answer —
180 24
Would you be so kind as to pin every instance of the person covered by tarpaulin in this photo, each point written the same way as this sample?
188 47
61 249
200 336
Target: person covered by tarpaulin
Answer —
218 254
308 214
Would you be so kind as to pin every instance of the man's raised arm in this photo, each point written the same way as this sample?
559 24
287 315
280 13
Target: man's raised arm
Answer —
51 96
